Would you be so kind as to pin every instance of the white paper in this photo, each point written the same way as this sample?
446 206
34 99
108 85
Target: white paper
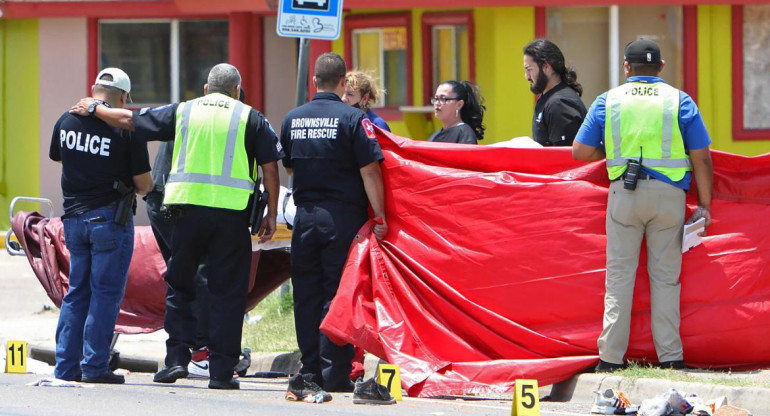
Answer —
690 237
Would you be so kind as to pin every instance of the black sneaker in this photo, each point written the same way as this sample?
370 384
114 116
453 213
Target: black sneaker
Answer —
231 384
369 392
673 365
170 374
605 367
303 389
107 378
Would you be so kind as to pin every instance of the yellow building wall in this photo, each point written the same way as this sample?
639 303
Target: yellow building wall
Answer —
19 135
500 35
715 75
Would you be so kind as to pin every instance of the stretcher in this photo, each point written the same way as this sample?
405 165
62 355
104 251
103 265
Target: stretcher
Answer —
41 239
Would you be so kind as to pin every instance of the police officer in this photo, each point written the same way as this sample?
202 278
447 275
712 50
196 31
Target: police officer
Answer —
94 156
216 141
653 139
559 111
331 150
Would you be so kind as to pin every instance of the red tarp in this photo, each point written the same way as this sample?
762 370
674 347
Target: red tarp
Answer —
493 269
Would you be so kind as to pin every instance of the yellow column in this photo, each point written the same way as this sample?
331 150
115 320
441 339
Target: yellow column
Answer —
501 34
19 132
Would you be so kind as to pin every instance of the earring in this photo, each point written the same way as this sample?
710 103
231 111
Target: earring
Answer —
457 112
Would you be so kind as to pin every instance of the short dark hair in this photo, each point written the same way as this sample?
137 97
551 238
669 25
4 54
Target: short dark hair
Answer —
329 69
646 69
110 93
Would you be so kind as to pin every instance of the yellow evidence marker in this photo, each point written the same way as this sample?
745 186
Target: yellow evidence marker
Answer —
16 357
389 375
525 399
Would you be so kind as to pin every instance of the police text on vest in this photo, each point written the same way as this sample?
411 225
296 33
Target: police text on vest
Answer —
88 144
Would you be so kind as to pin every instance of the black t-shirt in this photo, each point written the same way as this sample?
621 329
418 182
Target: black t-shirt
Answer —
461 133
558 116
94 155
327 142
159 123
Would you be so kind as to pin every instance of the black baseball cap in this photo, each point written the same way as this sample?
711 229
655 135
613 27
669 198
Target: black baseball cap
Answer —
642 51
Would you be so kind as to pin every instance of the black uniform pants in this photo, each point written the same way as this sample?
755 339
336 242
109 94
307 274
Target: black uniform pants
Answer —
162 229
320 242
221 238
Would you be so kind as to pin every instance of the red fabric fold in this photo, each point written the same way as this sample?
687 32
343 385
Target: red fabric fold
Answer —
493 269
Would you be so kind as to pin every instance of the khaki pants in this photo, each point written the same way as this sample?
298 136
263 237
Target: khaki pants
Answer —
655 210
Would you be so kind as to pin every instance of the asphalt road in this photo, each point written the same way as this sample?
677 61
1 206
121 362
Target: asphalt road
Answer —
140 396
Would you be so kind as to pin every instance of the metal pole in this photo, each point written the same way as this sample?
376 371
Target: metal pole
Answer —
302 71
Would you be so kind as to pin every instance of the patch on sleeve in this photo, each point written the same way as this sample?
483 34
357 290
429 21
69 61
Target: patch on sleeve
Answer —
368 128
144 110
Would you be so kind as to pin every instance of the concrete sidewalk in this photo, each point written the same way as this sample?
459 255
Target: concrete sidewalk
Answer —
27 314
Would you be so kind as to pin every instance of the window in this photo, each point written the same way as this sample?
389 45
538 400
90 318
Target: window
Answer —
751 64
380 44
584 33
167 60
448 49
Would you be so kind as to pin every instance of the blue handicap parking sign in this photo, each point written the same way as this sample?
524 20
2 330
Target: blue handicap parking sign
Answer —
314 19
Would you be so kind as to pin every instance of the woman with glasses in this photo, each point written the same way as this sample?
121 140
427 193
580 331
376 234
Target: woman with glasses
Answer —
458 106
361 91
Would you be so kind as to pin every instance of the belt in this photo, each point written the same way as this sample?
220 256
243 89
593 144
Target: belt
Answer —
641 176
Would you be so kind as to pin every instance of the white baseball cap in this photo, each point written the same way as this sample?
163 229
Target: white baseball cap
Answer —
119 79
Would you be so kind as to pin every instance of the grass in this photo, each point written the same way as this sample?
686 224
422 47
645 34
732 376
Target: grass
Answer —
637 371
274 332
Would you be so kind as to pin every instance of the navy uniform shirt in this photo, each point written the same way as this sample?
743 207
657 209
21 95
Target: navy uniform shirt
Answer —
93 156
326 142
558 116
160 124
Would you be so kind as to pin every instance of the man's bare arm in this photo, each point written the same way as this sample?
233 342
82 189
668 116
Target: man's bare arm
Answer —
703 171
272 186
143 183
116 117
372 177
586 153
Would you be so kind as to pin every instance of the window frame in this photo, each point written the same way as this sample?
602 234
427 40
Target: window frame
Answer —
430 20
380 21
94 47
740 132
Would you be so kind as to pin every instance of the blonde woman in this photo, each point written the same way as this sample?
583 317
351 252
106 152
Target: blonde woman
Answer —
361 91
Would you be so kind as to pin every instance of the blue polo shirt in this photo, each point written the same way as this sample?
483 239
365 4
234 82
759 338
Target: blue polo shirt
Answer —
691 124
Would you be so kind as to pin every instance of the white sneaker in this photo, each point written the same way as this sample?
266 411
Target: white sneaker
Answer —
198 369
604 404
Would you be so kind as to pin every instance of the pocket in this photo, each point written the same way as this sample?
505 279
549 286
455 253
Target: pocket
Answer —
104 236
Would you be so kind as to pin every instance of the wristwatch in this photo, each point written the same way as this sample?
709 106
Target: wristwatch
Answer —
92 107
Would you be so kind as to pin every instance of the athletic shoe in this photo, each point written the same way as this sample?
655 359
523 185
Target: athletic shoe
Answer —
245 362
303 389
673 365
171 374
607 367
198 368
369 392
610 402
107 378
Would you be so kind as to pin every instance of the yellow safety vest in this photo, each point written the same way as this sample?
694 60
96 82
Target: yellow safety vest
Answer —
210 166
642 124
